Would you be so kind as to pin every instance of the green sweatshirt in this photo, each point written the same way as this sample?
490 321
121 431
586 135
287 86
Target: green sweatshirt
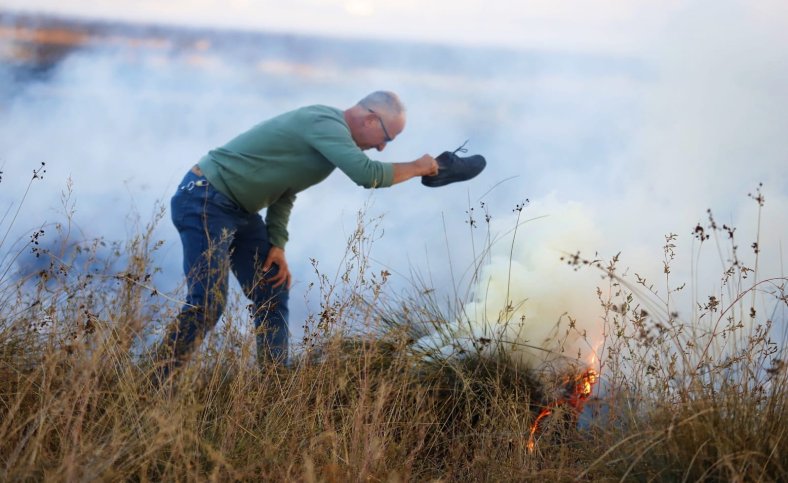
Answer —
266 166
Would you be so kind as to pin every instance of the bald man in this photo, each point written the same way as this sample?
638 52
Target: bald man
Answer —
215 210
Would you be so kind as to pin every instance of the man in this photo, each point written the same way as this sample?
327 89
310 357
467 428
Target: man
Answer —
215 210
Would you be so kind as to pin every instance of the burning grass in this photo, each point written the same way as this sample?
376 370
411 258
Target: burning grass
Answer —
365 397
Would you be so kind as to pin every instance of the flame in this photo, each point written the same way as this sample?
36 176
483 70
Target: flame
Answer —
583 386
531 437
594 360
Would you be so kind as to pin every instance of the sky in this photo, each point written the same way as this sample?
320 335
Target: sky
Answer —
621 122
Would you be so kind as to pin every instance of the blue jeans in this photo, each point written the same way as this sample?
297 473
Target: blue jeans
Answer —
218 236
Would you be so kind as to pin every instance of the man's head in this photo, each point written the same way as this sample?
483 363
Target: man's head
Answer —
376 120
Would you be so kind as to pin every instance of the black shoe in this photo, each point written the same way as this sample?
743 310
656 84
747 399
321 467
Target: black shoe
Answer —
453 168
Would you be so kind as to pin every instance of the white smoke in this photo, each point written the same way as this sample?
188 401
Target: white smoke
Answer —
528 300
705 133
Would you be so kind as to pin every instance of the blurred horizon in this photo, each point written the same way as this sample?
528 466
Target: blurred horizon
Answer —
568 25
42 40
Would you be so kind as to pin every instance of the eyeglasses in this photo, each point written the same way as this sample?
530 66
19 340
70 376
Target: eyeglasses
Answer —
382 126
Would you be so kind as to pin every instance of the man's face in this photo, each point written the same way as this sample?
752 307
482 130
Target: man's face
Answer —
379 129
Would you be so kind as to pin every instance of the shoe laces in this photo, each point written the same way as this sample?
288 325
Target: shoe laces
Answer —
462 149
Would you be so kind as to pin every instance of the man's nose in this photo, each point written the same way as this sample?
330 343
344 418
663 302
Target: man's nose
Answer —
381 146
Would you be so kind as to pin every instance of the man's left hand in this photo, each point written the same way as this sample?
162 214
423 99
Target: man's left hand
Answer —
276 256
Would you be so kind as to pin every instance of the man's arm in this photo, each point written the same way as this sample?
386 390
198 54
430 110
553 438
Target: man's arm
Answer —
276 219
330 137
424 166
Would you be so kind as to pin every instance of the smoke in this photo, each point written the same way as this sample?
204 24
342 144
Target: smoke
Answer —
709 136
705 131
528 294
125 122
614 150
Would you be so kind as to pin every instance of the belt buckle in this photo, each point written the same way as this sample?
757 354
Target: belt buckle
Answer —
195 184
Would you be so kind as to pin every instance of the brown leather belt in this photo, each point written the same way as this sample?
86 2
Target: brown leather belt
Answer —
196 170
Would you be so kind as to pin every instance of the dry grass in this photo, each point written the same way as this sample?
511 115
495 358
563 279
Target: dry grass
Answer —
76 402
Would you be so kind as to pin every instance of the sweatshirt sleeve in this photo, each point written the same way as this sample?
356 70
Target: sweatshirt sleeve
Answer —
331 137
277 217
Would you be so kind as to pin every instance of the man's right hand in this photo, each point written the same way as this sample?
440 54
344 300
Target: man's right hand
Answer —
427 165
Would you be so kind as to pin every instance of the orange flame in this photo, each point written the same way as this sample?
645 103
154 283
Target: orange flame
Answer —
584 384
